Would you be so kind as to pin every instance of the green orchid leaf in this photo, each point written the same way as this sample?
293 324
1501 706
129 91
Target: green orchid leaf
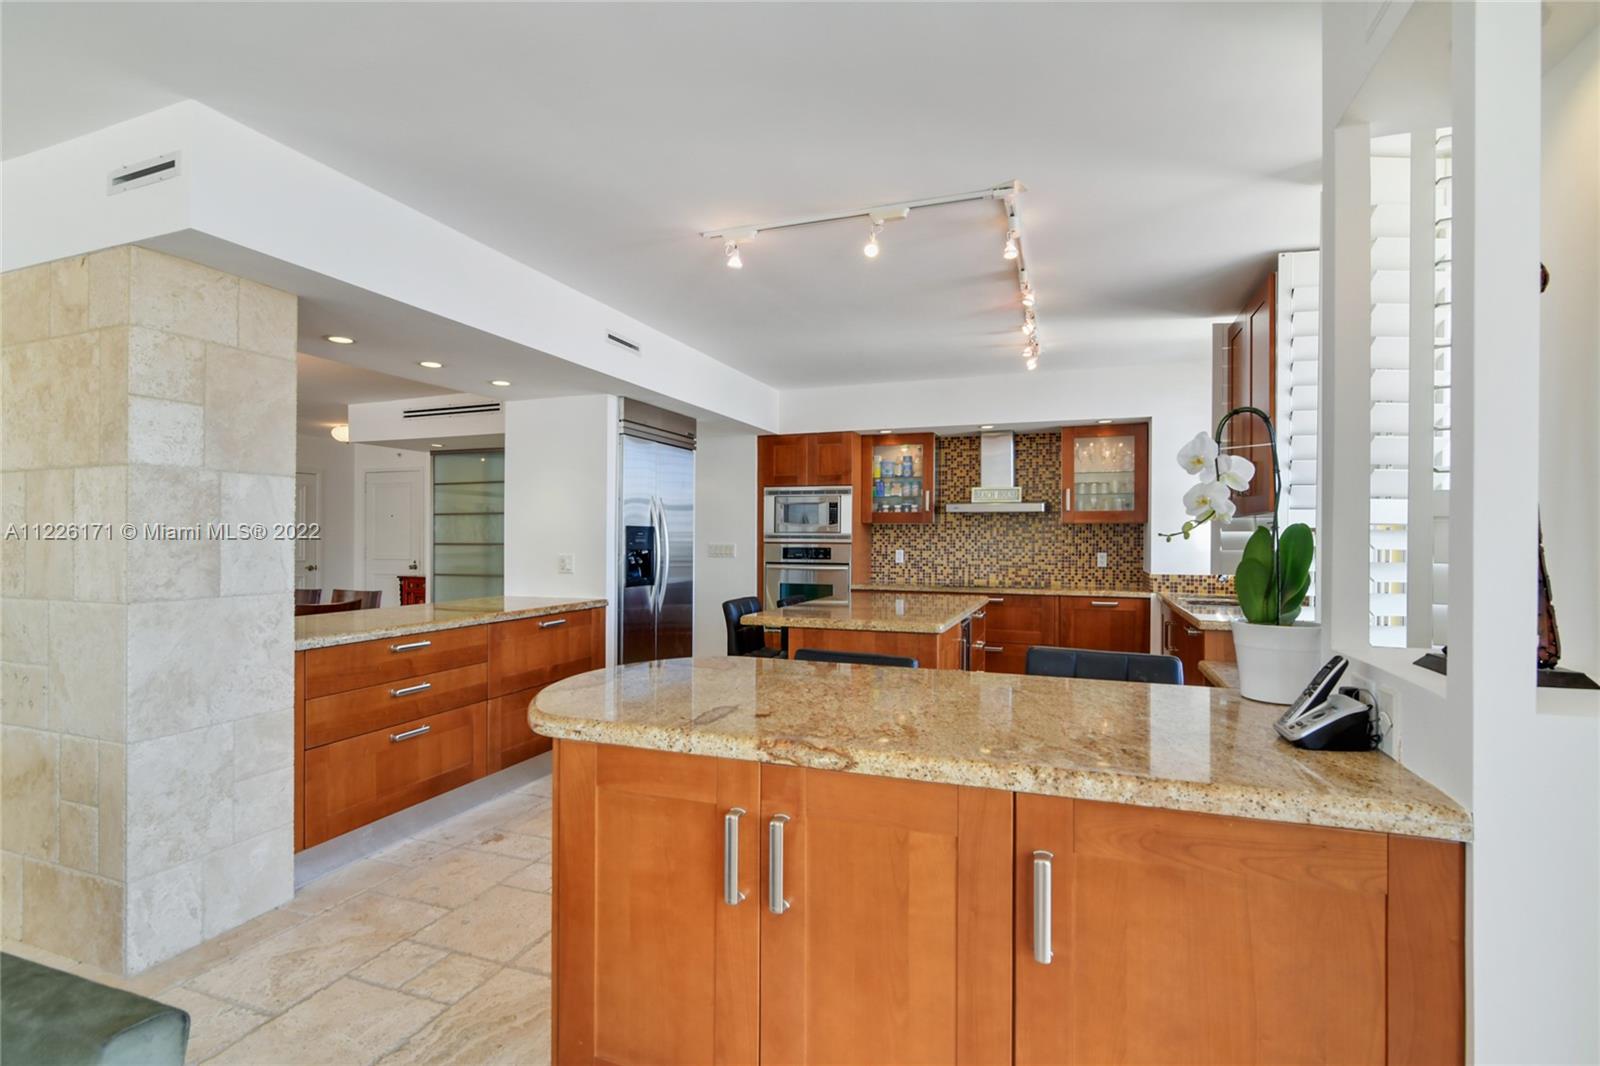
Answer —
1295 550
1253 583
1259 547
1294 598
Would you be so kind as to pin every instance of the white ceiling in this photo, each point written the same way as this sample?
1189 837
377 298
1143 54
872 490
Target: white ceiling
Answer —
1168 150
327 388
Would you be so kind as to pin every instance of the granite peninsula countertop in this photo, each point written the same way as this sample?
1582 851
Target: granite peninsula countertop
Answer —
1004 590
1204 614
879 612
349 627
1172 746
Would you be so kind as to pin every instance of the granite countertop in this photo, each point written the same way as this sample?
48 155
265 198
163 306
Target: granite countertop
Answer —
1204 615
1003 590
1173 746
1222 675
348 627
880 612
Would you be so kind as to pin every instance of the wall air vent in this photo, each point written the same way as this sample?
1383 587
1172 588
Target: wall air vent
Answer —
486 408
136 175
623 342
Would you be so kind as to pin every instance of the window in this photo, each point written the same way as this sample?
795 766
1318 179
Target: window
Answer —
468 525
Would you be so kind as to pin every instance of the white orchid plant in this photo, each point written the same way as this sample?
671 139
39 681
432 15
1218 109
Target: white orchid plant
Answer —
1274 573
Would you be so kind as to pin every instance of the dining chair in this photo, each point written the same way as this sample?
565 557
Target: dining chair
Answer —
368 598
307 596
326 608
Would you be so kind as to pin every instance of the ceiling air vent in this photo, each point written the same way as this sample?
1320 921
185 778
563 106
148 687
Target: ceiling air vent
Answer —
161 168
623 342
486 408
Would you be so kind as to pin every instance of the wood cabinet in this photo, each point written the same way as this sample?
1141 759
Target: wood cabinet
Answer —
807 459
1013 624
384 724
900 473
1105 473
1177 937
1105 623
1251 381
1192 645
712 910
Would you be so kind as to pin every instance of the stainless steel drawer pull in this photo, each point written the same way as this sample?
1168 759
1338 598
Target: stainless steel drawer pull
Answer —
995 647
775 901
1105 603
997 599
730 857
1042 952
395 738
1193 632
411 646
411 690
553 622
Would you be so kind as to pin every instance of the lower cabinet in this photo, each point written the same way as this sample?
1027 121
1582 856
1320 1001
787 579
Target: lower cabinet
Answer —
1105 623
711 910
720 911
1015 623
1193 645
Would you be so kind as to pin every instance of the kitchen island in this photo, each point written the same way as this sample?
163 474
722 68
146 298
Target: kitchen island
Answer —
780 861
937 629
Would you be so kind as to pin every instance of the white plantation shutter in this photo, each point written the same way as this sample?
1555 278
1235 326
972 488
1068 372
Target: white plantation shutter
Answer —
1443 224
1390 383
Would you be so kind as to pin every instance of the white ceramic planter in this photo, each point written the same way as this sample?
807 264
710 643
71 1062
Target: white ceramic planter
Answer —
1276 662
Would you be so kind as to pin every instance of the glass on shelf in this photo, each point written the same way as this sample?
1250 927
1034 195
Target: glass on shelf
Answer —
1103 473
897 472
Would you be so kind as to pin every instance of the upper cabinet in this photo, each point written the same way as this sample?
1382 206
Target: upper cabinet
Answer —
1105 473
901 471
807 459
1252 382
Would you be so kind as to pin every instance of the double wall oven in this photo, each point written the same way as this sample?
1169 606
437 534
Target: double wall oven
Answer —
807 545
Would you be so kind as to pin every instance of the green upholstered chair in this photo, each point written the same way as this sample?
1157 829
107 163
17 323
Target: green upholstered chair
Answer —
48 1016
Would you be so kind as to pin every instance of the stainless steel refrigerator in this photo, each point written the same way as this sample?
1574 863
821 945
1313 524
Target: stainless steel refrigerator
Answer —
655 574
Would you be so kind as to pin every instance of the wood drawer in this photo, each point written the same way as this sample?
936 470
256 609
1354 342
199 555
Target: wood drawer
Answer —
373 662
1013 624
532 652
353 782
1105 623
510 739
361 710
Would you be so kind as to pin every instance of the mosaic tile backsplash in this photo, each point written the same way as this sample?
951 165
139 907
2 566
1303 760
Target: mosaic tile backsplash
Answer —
1018 550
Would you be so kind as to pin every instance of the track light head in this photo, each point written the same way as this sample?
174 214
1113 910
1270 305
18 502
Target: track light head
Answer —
870 249
1010 251
1027 296
1028 325
1032 363
731 250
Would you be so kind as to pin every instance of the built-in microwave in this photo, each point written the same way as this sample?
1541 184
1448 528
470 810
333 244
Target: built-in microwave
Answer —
807 512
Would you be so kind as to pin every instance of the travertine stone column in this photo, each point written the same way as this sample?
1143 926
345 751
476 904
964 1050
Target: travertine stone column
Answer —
146 681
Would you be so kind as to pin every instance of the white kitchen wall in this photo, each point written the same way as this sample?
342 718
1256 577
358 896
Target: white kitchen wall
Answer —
724 513
335 465
561 499
1175 396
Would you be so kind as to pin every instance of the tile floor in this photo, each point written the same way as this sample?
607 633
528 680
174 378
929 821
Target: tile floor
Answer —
434 950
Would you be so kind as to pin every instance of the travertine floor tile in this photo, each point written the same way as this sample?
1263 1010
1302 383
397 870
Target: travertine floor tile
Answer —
498 925
451 978
341 884
536 822
453 878
536 958
463 827
399 964
411 852
215 951
506 1020
213 1023
346 1023
284 970
516 845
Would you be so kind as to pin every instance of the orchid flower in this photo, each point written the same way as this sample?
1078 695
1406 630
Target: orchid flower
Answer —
1221 476
1198 454
1207 500
1235 471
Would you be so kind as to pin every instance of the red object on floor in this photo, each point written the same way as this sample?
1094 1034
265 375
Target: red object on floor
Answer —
413 590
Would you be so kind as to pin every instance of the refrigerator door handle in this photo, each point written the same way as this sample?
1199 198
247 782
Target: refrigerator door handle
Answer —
664 545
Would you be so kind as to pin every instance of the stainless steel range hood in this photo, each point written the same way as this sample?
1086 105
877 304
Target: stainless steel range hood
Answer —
997 491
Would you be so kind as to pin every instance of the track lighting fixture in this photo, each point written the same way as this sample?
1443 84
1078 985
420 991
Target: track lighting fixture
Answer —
1033 363
1028 324
1010 251
870 249
1027 295
731 250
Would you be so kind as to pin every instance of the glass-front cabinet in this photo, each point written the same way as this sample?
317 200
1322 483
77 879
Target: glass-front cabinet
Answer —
900 470
468 525
1105 472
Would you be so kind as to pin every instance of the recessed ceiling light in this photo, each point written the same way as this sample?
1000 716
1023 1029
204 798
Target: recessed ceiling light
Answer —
431 364
436 445
883 431
340 433
1104 421
334 338
985 427
499 384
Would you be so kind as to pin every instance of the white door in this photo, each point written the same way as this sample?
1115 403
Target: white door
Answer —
393 530
307 550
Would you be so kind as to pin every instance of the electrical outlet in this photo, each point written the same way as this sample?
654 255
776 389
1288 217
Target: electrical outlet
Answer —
900 556
564 564
719 551
1101 560
1389 721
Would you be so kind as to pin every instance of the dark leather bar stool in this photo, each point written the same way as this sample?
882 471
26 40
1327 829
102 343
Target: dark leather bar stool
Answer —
742 639
859 658
1105 665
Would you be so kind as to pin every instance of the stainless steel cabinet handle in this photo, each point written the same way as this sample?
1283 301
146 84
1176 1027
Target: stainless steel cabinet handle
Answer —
1105 603
730 857
1193 632
1066 499
411 690
927 499
980 614
997 599
395 738
412 646
995 647
553 622
1042 952
978 645
775 901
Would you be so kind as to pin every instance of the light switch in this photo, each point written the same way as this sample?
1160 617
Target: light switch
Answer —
1100 559
564 564
900 556
720 551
